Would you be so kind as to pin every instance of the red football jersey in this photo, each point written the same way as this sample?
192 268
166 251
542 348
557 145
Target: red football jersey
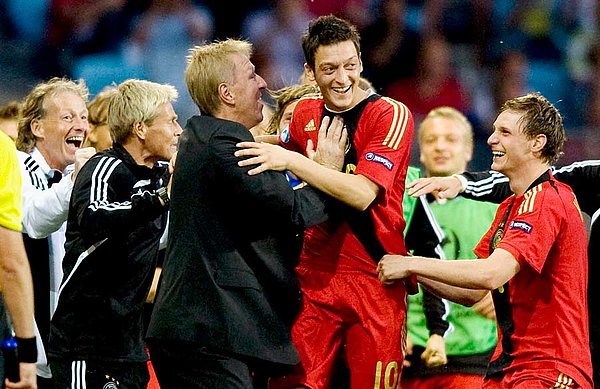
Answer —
380 134
542 311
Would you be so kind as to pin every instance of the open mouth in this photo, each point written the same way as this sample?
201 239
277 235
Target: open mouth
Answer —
342 90
75 141
497 154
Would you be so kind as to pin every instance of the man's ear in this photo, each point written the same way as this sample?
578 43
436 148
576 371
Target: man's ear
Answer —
309 74
37 129
226 94
140 130
538 143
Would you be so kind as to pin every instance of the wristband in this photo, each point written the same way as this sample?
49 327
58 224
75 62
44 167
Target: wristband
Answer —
27 349
463 182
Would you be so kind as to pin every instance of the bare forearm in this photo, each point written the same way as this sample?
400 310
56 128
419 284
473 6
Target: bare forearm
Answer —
354 190
459 295
466 273
15 278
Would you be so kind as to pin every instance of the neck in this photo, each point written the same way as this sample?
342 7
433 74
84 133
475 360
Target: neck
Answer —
232 116
138 153
521 180
53 164
358 97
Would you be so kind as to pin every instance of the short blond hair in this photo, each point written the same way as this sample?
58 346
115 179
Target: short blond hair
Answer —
136 101
34 106
452 114
210 65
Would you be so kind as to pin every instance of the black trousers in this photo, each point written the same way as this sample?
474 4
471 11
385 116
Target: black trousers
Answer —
187 365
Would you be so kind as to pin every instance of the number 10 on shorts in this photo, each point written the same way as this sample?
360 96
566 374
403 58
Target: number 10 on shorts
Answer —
388 379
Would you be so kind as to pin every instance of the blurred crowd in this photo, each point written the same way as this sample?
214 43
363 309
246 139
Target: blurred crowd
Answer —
468 54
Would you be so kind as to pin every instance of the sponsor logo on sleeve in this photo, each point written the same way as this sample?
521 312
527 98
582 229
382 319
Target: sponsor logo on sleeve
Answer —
523 226
379 159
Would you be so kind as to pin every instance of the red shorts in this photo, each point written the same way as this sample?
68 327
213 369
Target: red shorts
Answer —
352 309
532 379
446 381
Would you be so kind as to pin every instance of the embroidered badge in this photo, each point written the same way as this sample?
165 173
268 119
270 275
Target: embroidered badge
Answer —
310 126
380 159
523 226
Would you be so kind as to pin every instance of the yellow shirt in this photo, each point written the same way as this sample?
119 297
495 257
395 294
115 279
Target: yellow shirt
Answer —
10 185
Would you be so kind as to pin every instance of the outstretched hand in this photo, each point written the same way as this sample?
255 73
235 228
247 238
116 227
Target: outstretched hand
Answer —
440 187
265 155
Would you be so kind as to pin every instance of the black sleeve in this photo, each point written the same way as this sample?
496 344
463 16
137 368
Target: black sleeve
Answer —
267 197
424 238
487 186
584 178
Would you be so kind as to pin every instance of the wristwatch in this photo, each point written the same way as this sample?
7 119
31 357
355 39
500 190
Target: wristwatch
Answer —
164 196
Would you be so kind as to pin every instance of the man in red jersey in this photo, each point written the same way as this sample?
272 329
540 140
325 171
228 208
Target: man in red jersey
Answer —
533 258
344 303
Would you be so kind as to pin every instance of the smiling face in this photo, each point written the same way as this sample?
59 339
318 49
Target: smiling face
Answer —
247 89
60 132
337 73
511 149
161 136
445 146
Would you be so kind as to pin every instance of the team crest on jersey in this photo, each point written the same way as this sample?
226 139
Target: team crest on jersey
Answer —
379 159
310 126
285 135
523 226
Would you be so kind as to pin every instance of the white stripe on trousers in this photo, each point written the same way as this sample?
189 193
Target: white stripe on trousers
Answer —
78 375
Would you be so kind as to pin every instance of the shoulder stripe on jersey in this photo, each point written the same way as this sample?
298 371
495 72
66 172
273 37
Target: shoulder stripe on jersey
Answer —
484 187
529 202
31 166
574 165
99 189
398 126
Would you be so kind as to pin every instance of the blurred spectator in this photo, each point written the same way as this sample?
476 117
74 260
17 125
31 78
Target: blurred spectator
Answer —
275 33
389 46
507 79
79 27
161 39
465 25
434 84
358 12
9 119
540 27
